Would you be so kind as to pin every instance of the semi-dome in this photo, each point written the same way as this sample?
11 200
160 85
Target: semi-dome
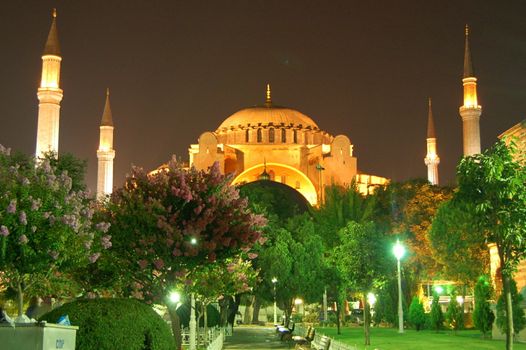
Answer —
267 115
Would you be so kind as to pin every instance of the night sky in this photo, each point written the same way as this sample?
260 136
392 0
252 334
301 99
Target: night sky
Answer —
178 68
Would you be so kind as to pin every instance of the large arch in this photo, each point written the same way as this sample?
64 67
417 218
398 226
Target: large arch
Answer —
284 174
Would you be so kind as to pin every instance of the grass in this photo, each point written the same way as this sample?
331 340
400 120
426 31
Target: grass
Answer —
390 339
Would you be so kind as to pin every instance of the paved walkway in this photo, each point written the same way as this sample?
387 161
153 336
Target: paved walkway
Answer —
254 338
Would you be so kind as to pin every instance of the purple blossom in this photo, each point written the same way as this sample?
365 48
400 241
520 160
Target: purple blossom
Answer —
25 181
11 208
105 241
23 218
103 226
46 215
4 150
35 204
94 257
23 239
4 231
252 256
159 264
87 245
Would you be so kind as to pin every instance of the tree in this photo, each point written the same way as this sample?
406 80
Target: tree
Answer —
361 258
491 187
454 314
295 256
46 227
483 317
436 317
168 223
417 315
519 321
463 255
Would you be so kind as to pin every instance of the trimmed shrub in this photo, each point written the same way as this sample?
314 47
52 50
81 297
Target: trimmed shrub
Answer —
483 317
417 315
519 321
454 314
116 324
436 316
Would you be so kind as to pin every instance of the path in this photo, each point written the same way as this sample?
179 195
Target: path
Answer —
254 338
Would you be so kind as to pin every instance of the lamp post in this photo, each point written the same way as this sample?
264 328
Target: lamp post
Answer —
192 325
274 281
399 252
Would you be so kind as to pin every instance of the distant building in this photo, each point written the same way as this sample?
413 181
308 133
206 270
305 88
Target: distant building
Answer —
284 145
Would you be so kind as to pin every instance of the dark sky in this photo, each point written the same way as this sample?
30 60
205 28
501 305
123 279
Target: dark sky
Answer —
179 68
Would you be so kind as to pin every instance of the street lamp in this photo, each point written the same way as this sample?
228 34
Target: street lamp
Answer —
399 252
274 281
175 297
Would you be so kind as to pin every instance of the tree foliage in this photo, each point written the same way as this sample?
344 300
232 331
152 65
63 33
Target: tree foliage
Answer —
519 320
454 314
46 227
492 189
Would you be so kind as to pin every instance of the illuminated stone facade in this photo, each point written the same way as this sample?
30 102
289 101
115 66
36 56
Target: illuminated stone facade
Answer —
287 144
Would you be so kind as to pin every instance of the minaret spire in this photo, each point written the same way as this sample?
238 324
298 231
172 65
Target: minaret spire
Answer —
470 111
268 100
431 160
105 153
49 94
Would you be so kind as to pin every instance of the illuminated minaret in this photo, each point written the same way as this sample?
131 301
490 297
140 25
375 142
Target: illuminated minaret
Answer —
49 94
432 160
470 111
105 153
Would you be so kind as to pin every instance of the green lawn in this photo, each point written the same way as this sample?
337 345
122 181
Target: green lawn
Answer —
390 339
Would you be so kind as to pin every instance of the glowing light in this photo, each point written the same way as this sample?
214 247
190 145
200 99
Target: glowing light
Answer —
274 280
175 297
439 289
398 250
193 241
460 300
298 301
371 299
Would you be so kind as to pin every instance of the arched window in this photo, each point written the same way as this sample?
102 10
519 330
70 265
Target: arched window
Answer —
247 138
271 135
283 135
295 136
260 136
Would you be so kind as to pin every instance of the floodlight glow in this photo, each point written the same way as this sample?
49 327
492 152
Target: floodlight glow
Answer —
274 280
460 300
398 250
371 299
175 297
298 301
439 289
193 241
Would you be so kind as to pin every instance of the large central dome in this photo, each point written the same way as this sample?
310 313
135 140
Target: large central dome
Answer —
265 116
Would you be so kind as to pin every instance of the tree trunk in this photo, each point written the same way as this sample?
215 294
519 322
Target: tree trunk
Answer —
176 326
255 314
509 311
205 321
223 311
366 321
338 317
20 299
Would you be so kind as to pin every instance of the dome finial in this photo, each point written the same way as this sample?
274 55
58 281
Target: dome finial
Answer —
467 29
54 12
268 100
107 91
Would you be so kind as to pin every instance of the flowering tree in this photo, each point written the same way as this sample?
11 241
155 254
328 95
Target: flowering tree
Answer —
167 224
45 226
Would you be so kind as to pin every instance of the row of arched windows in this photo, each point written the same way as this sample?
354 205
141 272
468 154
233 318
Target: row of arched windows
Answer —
271 136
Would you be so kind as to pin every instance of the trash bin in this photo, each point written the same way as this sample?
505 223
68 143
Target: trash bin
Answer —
37 336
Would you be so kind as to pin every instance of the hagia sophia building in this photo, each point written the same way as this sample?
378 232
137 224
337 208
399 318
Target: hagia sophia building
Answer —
268 141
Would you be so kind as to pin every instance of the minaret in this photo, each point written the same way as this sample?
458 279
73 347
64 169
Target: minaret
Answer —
49 94
268 98
105 153
432 160
470 111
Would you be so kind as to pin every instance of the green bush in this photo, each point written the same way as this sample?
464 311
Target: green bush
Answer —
519 321
417 315
483 317
116 324
436 316
454 314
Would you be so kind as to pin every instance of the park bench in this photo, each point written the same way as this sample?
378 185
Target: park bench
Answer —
285 333
320 342
305 337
